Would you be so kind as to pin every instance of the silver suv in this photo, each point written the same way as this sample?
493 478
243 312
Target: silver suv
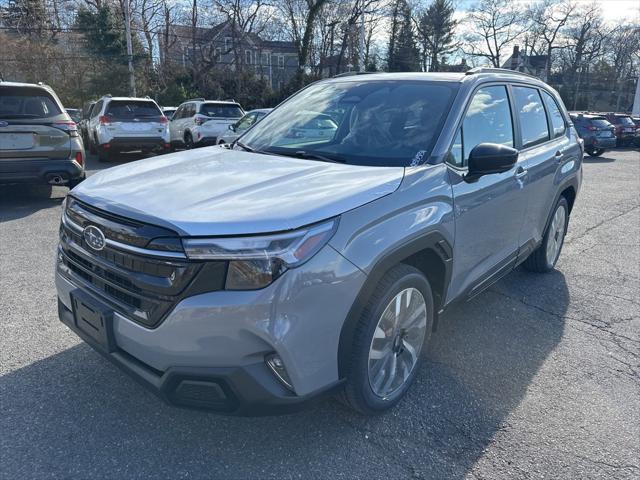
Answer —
39 142
253 279
118 124
199 122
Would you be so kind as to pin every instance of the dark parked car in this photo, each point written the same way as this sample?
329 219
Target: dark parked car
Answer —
625 129
596 132
84 120
39 143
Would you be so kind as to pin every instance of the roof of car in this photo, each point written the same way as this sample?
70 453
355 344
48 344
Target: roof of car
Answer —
471 75
133 99
588 116
22 84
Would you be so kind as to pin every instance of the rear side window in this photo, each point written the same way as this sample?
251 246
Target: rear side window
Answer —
220 110
132 109
600 123
533 119
488 120
21 102
557 120
96 109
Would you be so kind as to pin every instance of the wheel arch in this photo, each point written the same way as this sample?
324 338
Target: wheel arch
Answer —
431 254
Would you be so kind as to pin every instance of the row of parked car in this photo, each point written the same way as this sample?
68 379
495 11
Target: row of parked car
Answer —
34 125
114 124
602 131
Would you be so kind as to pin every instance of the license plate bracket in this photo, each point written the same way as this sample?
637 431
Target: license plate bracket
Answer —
94 319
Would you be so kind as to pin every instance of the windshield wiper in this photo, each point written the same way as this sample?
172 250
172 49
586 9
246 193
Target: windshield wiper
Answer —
316 156
245 147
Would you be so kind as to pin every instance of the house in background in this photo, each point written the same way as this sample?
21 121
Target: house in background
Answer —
535 65
222 46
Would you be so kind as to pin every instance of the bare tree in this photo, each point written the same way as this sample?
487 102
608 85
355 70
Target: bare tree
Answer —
302 16
548 18
495 25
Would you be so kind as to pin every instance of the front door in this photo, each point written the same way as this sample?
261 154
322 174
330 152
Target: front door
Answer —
489 211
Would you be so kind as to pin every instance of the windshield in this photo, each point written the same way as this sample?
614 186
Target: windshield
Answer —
21 102
626 121
221 110
375 123
132 109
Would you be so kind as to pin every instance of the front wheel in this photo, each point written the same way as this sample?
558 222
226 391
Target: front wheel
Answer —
544 258
388 341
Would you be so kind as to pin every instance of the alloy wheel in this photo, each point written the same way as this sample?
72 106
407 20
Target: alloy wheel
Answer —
397 342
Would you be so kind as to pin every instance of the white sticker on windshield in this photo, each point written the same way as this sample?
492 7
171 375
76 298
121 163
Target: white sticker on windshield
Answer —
417 160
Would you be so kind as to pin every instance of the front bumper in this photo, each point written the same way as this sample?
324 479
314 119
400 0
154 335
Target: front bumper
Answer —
249 390
222 338
39 171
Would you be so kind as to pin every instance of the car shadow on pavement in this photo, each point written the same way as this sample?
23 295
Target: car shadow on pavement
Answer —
74 414
589 159
18 201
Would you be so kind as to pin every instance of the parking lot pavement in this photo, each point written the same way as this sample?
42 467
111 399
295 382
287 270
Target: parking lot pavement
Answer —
536 378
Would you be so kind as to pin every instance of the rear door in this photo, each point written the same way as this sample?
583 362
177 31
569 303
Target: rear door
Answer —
32 124
547 145
489 211
135 118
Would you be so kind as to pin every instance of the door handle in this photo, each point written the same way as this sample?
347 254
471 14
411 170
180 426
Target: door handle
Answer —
520 173
559 155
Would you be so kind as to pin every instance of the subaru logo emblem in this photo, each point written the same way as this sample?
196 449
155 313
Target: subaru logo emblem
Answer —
94 237
3 124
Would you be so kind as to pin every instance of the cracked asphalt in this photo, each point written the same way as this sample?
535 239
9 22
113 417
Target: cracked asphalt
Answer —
536 378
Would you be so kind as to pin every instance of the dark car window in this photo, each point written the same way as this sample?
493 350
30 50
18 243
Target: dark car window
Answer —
359 122
533 119
557 120
625 121
600 123
97 108
25 102
220 110
488 120
132 109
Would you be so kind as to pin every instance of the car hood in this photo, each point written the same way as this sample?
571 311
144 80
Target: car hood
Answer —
215 191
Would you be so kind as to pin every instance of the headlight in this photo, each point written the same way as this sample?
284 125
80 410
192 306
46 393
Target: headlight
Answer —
256 261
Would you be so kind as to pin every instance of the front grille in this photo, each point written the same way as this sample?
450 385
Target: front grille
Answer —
142 287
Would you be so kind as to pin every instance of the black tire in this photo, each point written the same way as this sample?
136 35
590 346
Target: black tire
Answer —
188 141
538 261
595 152
358 392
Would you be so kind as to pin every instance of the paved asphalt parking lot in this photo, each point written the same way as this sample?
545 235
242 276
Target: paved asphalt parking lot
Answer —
536 378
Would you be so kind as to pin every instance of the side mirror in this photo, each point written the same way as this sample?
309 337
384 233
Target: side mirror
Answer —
232 128
488 158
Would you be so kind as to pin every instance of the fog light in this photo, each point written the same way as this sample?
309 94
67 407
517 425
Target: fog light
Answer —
275 363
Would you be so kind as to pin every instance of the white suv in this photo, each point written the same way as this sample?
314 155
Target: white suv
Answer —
127 124
200 122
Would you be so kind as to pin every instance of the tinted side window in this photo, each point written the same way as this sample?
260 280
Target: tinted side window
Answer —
97 108
533 119
190 110
488 120
557 121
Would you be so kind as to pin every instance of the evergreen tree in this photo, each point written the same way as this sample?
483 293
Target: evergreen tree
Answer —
403 52
436 28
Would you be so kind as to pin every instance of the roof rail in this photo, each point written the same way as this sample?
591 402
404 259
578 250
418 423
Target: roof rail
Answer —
504 71
195 100
230 100
349 74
